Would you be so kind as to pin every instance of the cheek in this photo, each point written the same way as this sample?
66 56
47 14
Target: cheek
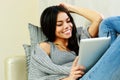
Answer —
58 30
71 24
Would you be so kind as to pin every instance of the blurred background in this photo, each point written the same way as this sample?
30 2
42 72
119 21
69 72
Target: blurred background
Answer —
16 14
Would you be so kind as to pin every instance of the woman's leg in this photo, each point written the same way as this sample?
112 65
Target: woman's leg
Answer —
110 27
108 67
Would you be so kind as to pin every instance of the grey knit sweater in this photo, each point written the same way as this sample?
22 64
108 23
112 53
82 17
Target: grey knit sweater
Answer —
53 67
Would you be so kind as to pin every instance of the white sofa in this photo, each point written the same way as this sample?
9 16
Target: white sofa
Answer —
17 65
15 68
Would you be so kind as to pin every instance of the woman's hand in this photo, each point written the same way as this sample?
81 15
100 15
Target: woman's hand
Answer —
65 5
77 71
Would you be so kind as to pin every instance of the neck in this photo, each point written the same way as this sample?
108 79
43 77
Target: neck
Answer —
61 42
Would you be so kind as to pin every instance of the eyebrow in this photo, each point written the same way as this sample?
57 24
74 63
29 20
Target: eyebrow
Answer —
59 21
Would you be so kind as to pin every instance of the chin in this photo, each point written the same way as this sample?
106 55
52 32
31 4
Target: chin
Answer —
68 37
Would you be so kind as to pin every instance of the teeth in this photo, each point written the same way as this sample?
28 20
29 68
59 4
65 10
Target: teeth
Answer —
68 31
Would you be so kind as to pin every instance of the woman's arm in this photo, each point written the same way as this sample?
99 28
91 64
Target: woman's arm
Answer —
93 16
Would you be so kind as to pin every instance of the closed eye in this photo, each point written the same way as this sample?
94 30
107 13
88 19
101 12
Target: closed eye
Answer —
59 23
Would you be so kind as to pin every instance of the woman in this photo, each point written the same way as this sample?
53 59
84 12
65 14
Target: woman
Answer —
56 58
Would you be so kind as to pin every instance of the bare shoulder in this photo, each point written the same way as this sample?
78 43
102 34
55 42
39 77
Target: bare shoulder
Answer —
45 46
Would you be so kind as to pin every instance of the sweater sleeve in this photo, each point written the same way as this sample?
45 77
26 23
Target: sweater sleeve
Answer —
52 77
36 73
83 32
42 61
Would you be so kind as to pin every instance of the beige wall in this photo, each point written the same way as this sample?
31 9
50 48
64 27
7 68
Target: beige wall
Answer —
14 18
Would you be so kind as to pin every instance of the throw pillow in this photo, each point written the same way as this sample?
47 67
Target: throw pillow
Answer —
28 50
36 34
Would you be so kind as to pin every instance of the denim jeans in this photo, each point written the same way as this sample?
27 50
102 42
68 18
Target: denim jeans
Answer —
110 27
108 66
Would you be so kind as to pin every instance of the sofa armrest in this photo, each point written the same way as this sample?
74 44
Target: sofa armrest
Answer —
15 68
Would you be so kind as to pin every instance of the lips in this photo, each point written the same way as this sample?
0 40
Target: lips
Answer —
67 31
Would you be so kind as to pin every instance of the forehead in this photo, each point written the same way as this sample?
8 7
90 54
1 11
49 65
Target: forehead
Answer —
62 16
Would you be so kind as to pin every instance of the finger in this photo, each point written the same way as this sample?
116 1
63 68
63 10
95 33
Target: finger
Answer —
61 4
79 72
78 76
83 68
78 68
75 62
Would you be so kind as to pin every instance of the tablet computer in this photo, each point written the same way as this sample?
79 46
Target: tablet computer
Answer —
90 50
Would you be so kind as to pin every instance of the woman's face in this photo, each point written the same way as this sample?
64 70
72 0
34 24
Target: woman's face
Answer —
63 26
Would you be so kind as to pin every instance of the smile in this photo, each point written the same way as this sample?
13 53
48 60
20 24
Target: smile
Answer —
67 31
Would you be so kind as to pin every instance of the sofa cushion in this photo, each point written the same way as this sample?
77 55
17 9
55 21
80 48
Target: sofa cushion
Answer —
28 50
15 68
36 35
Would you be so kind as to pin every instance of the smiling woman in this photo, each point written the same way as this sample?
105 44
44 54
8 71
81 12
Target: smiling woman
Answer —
64 26
56 58
52 59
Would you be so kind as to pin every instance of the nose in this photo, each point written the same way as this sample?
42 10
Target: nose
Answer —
67 25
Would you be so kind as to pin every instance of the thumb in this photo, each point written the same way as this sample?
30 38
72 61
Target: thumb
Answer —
75 62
